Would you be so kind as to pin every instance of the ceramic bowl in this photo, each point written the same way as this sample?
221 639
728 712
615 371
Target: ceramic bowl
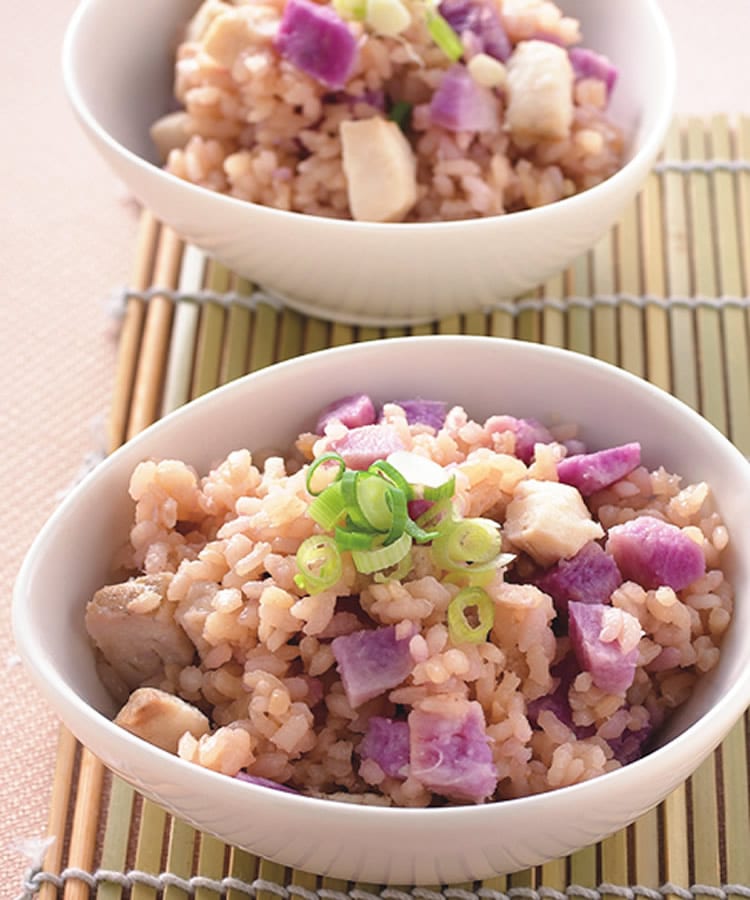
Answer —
117 63
72 556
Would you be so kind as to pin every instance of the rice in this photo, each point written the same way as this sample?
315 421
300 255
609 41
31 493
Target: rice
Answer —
264 669
258 128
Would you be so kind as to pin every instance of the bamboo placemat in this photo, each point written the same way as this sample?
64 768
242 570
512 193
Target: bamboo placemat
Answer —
664 295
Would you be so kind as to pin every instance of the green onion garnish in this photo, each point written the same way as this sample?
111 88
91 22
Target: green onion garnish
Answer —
461 630
468 545
392 474
318 564
442 492
369 561
400 113
322 461
444 36
329 506
351 9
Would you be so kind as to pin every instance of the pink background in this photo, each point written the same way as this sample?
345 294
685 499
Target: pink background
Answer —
67 241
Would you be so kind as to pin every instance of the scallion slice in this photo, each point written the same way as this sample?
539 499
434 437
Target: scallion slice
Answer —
392 474
468 544
328 507
323 461
369 561
463 631
443 492
319 564
372 496
400 113
444 36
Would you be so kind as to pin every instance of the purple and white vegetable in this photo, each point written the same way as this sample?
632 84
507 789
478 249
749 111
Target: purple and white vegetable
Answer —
654 553
371 662
424 412
386 742
588 577
482 21
528 432
361 447
460 104
591 472
590 64
353 411
611 668
317 41
450 754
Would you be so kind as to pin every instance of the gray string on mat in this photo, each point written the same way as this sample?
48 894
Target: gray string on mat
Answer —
702 165
119 300
36 878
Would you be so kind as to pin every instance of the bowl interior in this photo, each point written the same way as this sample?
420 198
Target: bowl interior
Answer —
72 556
118 63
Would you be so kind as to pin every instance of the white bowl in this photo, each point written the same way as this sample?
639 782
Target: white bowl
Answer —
71 558
118 75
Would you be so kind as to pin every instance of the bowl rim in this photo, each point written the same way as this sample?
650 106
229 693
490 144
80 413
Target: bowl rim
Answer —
722 715
644 155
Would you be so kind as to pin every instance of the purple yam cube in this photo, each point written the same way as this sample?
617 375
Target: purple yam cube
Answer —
462 104
589 64
386 742
371 662
588 577
629 745
362 446
353 411
591 472
654 553
482 21
449 751
558 701
528 432
611 669
317 41
424 412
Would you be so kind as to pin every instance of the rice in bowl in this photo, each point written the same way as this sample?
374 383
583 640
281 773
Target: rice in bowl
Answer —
241 668
445 111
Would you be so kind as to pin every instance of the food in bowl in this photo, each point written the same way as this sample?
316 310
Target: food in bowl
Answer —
413 608
390 110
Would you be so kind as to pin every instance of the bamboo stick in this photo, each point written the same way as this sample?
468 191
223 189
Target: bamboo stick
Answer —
211 857
263 338
647 850
244 867
209 345
584 867
658 368
148 852
578 279
553 318
67 748
604 315
237 340
85 823
316 336
614 861
273 872
291 332
150 374
116 835
529 321
632 340
180 855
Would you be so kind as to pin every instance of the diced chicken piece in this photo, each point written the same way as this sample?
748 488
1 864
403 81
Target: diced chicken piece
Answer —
161 718
528 433
200 22
353 411
611 663
228 35
386 742
134 627
591 472
654 553
361 447
380 170
371 662
588 577
449 750
549 521
540 90
170 133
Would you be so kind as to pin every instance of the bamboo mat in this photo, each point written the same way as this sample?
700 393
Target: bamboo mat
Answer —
664 295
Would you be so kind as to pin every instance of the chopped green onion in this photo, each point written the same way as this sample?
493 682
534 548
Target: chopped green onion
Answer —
321 461
351 9
372 496
396 573
437 517
319 564
419 534
350 538
444 36
468 544
399 515
368 561
442 492
400 113
392 474
461 630
329 506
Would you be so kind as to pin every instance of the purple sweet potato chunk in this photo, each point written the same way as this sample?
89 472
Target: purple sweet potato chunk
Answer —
588 577
371 662
629 745
589 64
449 752
362 446
386 742
424 412
482 21
528 432
264 782
654 553
317 41
611 669
353 411
591 472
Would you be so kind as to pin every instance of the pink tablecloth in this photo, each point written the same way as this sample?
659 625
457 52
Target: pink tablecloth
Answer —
67 241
